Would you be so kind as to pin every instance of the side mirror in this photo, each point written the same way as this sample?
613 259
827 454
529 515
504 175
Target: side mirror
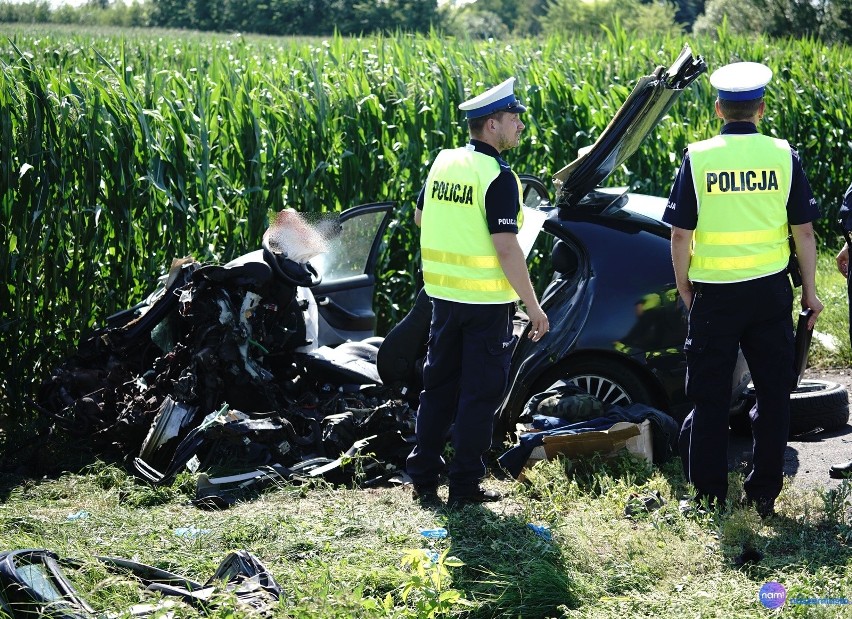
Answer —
535 194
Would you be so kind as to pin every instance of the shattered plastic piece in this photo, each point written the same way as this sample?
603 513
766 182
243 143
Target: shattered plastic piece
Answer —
218 493
637 504
32 585
432 555
192 464
215 416
170 419
80 515
541 530
439 533
240 572
400 478
214 502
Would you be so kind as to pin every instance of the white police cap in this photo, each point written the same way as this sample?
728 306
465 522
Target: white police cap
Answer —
741 81
498 99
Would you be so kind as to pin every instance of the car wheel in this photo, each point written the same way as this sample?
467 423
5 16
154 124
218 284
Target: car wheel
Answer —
609 382
814 405
818 404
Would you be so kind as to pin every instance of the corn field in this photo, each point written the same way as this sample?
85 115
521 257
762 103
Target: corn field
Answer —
120 151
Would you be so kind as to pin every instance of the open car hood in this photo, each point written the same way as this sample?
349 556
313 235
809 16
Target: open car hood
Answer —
650 100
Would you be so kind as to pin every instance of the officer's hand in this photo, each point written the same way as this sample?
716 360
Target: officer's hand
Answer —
811 301
686 294
539 325
686 297
843 260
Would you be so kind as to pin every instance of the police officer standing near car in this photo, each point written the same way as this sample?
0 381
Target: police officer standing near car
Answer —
844 469
734 202
474 271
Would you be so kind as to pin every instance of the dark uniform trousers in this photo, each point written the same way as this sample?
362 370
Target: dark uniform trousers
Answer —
849 295
465 374
755 315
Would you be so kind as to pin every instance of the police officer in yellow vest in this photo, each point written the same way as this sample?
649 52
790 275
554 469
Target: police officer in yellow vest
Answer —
843 470
734 201
474 271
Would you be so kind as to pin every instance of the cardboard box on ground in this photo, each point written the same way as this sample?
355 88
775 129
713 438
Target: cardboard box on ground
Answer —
635 438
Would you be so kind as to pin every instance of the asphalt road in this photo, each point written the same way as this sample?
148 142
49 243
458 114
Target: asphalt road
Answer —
807 458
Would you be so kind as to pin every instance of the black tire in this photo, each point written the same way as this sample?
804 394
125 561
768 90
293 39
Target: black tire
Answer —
818 404
814 405
610 382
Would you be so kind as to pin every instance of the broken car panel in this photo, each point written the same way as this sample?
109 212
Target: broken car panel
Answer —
32 584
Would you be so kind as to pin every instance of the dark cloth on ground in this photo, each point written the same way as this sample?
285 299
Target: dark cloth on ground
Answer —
664 433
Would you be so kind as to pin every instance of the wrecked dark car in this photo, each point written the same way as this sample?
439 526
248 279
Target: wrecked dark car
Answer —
617 322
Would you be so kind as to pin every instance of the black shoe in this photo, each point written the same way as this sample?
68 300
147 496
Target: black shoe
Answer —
637 504
764 506
841 471
425 493
468 497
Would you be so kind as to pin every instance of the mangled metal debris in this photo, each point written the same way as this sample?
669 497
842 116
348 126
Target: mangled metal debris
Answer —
33 584
219 371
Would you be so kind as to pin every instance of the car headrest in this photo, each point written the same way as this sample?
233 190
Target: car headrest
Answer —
563 258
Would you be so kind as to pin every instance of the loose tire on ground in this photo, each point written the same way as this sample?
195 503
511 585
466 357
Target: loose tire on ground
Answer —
814 405
818 404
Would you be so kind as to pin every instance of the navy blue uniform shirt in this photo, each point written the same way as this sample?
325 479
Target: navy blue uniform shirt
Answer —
501 198
682 209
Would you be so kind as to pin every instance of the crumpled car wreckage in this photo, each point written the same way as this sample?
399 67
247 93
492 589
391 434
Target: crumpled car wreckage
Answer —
233 369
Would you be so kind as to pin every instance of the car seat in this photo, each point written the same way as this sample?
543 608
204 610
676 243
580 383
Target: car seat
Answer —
565 263
400 357
564 260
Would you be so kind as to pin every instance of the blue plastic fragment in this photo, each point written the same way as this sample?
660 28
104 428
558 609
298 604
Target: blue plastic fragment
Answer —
439 533
541 530
432 555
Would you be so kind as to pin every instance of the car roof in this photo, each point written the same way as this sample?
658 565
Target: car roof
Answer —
646 105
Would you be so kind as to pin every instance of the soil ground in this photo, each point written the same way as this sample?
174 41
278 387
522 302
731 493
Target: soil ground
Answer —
807 458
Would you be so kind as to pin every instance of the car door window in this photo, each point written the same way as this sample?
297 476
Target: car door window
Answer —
535 193
353 251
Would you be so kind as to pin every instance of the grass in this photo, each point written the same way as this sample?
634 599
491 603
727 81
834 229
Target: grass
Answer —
344 552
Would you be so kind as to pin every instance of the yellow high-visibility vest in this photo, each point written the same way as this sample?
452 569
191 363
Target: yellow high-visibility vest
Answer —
459 259
742 183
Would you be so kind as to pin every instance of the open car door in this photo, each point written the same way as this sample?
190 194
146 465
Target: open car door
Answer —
344 297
